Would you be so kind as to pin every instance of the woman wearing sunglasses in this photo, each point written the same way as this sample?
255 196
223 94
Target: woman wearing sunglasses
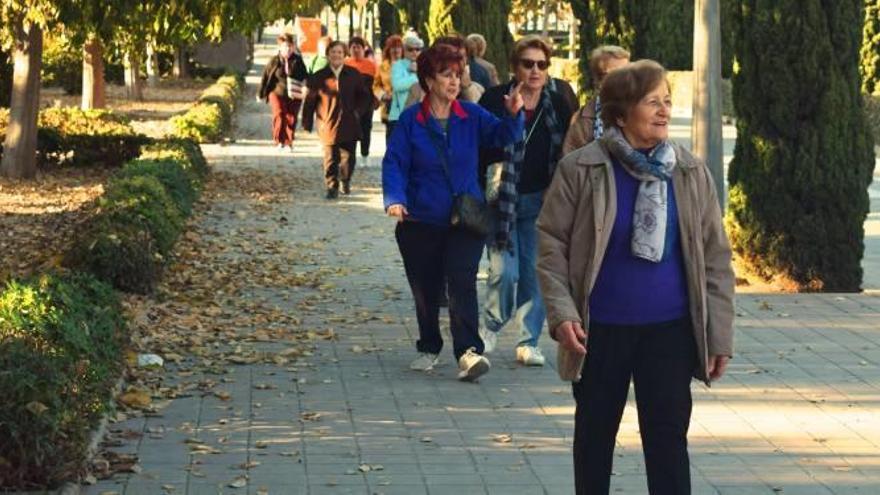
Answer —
403 76
517 177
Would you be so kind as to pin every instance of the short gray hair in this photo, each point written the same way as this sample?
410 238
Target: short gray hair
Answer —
479 43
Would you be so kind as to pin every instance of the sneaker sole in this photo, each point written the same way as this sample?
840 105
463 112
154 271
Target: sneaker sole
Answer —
430 368
474 372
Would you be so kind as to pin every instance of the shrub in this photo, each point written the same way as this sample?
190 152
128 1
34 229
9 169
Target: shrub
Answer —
61 341
120 254
202 123
73 137
211 117
184 151
89 137
141 215
179 185
143 201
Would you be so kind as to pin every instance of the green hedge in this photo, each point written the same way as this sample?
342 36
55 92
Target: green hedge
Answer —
142 213
211 117
61 343
80 138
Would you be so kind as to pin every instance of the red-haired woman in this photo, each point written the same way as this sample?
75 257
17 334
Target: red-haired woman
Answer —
431 159
392 52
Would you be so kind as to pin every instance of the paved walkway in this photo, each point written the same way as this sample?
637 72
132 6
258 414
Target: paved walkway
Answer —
321 401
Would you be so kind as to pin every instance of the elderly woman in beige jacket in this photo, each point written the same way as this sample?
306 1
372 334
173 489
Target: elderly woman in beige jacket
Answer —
586 123
635 270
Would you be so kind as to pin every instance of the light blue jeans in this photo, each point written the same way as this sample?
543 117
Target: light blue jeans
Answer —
513 298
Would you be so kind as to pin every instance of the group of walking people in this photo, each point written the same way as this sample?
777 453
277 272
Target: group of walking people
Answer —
334 92
593 222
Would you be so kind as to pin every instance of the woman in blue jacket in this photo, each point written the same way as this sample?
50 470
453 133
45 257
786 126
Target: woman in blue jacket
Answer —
432 156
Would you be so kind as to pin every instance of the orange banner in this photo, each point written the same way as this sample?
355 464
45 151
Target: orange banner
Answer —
308 31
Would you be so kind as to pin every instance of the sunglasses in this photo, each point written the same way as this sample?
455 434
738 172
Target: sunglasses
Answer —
530 64
413 49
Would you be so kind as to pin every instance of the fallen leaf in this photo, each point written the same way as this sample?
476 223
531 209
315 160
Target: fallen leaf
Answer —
239 482
502 438
37 408
135 398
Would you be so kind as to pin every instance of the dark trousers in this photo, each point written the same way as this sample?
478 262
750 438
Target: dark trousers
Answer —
338 163
430 253
389 128
284 113
366 130
660 359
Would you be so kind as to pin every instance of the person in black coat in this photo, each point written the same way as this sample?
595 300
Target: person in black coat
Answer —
337 97
282 88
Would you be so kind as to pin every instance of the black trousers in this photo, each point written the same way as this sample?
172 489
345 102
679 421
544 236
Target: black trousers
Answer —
389 128
366 130
660 359
429 253
339 162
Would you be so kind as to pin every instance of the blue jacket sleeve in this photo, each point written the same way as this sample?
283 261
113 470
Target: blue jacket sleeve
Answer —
401 77
498 133
396 165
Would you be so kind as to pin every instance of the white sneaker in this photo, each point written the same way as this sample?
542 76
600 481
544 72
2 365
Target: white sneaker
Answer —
529 355
365 162
425 362
490 340
472 366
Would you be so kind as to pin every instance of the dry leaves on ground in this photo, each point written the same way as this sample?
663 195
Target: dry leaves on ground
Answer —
39 218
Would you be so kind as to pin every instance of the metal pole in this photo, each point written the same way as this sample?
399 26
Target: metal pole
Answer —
706 128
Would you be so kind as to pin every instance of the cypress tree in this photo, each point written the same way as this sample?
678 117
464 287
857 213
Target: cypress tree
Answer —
413 14
804 156
601 22
663 31
464 17
389 21
870 55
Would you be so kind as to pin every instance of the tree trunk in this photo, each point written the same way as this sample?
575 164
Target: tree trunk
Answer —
350 20
133 89
572 37
545 18
153 65
180 70
804 154
94 91
20 147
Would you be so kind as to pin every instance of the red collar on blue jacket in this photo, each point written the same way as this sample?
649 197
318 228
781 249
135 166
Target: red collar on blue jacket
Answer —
425 111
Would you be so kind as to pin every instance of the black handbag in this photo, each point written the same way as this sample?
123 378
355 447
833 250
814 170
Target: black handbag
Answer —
469 213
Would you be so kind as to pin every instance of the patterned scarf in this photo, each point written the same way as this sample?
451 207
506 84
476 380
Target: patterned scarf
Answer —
514 155
654 170
598 128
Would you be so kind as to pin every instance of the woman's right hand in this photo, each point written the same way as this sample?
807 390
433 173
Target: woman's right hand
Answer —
572 336
398 211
